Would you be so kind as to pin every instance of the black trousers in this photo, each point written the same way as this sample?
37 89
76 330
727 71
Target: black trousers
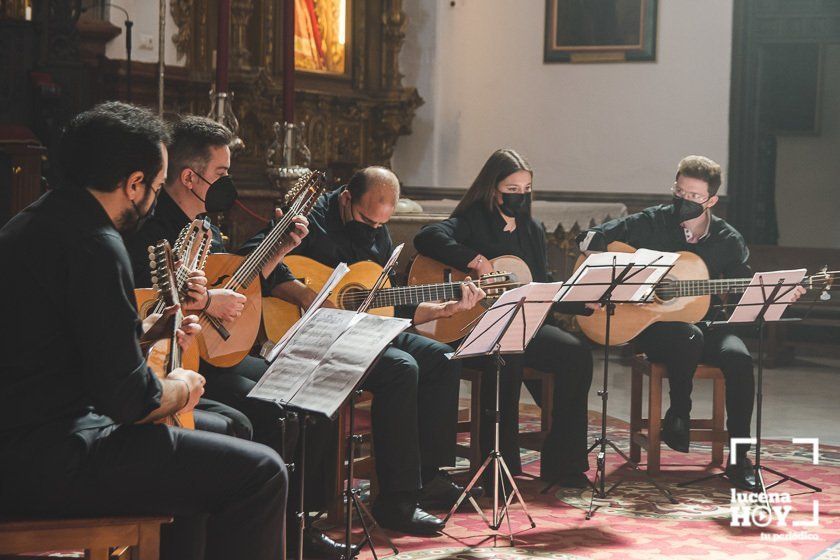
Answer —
681 346
414 411
231 387
569 358
212 416
229 491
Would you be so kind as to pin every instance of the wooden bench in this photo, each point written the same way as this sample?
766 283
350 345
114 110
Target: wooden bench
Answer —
95 536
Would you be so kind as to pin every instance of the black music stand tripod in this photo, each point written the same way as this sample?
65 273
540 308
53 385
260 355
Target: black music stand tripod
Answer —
489 333
767 299
618 277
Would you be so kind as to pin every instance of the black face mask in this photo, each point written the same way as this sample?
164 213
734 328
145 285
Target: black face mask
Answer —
686 210
220 196
515 203
360 232
143 218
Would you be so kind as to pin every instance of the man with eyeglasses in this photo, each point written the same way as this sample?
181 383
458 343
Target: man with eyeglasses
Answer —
687 224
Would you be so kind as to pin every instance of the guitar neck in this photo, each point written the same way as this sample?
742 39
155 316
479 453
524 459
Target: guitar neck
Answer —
411 295
687 288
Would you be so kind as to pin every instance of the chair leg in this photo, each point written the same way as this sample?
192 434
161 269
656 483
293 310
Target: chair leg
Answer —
654 419
718 415
335 510
547 409
96 553
475 424
635 413
148 547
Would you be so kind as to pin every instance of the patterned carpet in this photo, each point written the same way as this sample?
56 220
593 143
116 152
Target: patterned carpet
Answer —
640 524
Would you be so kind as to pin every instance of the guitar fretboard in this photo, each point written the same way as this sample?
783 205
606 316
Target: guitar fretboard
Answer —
408 295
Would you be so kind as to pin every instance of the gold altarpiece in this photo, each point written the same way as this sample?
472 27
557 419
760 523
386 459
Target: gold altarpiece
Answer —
353 118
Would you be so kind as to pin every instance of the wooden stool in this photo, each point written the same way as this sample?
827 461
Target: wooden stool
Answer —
362 468
95 536
645 432
528 440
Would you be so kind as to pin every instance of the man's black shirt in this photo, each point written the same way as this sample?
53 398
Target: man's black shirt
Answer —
73 360
167 223
657 228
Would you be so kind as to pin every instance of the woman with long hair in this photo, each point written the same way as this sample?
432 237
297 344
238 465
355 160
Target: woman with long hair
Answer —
494 219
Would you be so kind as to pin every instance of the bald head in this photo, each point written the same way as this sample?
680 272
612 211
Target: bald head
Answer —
373 193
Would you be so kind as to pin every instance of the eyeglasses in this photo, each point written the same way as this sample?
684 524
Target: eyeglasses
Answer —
694 197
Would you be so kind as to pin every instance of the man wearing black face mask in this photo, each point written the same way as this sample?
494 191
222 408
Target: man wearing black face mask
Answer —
687 224
415 386
197 183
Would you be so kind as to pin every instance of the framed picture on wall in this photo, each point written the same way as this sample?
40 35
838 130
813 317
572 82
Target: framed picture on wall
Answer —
600 30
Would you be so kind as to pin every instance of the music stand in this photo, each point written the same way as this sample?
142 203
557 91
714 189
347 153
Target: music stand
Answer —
318 372
765 300
604 280
505 328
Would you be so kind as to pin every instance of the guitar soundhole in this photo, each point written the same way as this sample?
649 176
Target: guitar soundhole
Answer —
664 293
351 297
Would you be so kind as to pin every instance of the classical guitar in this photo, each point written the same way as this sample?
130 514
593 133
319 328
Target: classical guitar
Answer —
426 271
165 355
353 289
241 274
191 249
684 295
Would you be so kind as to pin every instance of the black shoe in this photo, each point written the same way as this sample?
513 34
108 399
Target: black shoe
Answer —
578 480
442 492
742 475
406 517
675 432
318 545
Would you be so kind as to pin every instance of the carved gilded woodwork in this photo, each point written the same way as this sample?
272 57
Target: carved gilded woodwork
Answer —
353 119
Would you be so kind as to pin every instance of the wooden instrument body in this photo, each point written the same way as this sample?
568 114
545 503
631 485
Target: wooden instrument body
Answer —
631 319
146 300
243 330
157 359
280 315
425 270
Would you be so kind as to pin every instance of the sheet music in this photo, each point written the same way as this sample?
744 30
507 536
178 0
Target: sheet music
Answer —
539 297
753 299
299 358
594 276
346 361
337 274
326 358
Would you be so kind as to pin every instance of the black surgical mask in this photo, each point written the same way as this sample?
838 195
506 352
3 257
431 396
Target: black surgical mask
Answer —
220 196
143 218
515 203
686 210
361 232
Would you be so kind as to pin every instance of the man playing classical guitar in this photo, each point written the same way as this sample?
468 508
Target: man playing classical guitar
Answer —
688 224
415 386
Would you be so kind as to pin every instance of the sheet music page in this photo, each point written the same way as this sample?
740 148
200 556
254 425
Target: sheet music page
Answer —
337 274
594 276
753 299
346 361
301 356
482 338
